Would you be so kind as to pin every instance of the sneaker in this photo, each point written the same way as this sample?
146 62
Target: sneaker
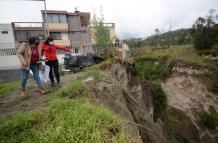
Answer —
22 93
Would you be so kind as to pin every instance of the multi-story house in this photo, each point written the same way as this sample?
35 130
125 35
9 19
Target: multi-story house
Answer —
68 27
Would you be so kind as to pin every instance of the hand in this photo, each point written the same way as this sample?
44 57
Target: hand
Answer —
25 63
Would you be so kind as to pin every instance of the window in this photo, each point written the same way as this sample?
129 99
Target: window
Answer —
4 32
56 35
56 18
63 18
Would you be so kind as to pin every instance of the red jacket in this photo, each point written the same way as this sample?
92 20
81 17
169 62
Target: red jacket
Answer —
50 51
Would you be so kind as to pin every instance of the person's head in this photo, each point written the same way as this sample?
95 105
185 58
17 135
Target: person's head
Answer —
49 41
34 42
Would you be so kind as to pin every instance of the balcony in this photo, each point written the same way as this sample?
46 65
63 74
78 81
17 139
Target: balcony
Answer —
57 27
62 42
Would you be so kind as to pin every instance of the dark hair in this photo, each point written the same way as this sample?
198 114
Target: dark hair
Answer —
33 40
48 39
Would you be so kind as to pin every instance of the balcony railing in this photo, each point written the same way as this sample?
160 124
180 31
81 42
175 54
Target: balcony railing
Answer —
28 25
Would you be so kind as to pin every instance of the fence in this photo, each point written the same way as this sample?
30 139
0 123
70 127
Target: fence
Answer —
7 49
9 60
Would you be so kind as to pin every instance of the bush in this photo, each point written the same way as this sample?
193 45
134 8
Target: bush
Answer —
214 89
159 100
150 69
205 32
207 120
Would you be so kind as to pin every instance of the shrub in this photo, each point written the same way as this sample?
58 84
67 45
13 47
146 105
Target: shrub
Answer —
159 100
150 69
207 120
214 89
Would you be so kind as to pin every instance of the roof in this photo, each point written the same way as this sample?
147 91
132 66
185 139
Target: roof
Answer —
54 11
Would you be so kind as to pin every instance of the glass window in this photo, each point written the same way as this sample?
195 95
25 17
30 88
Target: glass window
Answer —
56 35
4 32
49 18
63 18
55 18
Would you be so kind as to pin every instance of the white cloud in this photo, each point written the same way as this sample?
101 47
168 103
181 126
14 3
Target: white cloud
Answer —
133 18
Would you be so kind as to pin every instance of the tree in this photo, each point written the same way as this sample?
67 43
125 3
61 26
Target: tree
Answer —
205 31
101 32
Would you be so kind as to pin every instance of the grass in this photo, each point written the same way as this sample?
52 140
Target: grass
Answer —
207 120
95 72
73 89
64 120
151 69
171 118
214 89
185 53
6 87
159 100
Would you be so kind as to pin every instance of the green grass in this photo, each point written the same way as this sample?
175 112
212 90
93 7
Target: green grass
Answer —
64 120
73 89
207 120
95 72
185 53
171 118
151 69
6 87
214 89
159 100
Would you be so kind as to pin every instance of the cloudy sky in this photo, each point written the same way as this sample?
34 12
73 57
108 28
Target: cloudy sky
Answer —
133 18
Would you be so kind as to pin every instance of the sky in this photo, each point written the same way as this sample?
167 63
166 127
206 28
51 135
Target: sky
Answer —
133 18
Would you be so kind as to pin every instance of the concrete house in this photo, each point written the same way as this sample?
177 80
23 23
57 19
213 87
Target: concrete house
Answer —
6 36
68 27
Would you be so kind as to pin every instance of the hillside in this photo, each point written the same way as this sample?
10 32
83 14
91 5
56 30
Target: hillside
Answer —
158 95
175 37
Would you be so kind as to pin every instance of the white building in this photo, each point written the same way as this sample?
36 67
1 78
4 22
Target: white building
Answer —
6 36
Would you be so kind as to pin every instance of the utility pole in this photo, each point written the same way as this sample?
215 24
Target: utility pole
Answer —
47 33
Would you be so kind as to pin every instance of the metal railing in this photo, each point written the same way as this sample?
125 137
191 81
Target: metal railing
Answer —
7 49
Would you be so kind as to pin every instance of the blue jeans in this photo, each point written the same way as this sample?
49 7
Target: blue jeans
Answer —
25 74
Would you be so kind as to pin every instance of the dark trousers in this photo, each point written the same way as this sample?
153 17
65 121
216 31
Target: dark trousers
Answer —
54 65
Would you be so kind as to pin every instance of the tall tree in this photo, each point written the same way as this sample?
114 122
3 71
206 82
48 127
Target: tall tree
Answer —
205 31
101 32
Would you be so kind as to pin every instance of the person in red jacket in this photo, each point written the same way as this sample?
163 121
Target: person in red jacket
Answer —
49 49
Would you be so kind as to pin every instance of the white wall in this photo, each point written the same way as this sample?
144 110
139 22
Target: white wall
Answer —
64 36
6 38
12 62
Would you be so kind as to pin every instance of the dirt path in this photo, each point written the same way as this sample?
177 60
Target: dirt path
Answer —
12 103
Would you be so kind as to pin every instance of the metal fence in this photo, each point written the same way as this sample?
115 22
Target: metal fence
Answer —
7 49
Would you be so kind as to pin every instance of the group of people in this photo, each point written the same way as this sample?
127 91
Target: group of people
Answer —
30 56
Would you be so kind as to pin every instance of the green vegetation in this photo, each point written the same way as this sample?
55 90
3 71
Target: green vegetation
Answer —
178 126
205 31
73 89
186 53
207 120
95 72
64 120
101 32
214 89
159 100
163 40
151 69
6 87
